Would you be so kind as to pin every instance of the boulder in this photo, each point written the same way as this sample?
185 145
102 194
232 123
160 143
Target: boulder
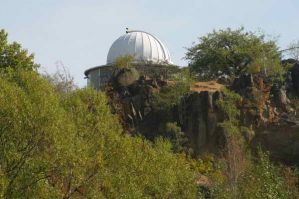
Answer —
126 76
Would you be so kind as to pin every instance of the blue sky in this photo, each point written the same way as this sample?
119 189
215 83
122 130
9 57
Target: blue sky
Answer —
79 33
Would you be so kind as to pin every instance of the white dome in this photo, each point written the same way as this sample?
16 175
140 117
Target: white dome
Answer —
145 48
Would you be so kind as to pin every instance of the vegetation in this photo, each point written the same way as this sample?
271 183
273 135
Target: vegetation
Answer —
232 53
65 146
264 180
12 55
179 141
163 105
62 80
169 96
245 175
68 145
124 61
58 141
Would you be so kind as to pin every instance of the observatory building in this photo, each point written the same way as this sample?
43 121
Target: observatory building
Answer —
149 53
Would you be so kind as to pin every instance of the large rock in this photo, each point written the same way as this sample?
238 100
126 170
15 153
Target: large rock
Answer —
126 76
292 77
256 108
198 117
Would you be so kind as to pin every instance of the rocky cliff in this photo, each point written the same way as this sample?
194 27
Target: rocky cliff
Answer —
262 107
198 116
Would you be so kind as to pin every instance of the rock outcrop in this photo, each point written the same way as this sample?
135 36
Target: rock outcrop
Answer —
295 77
132 103
197 114
198 117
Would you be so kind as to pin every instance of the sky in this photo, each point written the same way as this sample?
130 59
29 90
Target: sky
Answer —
79 33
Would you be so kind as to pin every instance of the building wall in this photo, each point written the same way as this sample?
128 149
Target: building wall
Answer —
98 77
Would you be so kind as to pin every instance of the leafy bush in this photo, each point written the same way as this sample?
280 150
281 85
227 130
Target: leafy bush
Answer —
169 96
179 140
124 61
263 180
228 105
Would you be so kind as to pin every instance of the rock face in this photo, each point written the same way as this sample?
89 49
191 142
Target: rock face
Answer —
198 117
282 141
269 111
256 108
292 77
295 77
197 114
133 103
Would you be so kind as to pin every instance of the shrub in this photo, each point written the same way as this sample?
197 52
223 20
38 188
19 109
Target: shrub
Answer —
263 180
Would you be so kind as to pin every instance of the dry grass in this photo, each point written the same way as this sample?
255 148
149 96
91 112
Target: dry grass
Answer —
211 86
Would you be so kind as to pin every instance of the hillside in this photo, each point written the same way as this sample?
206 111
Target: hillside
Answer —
226 126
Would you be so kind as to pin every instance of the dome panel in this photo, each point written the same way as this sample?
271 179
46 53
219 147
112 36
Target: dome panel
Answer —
145 48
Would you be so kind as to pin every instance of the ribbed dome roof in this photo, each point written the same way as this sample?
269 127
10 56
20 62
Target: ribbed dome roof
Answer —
145 48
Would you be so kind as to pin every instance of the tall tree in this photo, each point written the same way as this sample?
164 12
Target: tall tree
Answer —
233 52
13 56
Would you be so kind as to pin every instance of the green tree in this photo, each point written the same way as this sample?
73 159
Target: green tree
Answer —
124 166
14 56
71 146
35 136
233 52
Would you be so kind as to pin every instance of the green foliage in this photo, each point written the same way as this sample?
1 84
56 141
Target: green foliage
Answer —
70 145
244 177
233 52
228 105
263 180
124 61
12 56
35 136
163 103
178 138
169 96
